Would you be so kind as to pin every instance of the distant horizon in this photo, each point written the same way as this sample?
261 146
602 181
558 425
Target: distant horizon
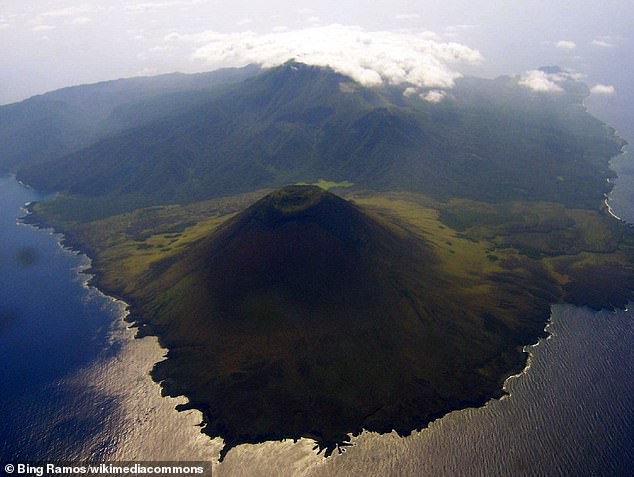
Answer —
54 44
596 90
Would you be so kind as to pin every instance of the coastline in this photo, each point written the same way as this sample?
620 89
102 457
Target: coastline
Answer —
133 319
370 450
615 183
91 275
144 328
94 279
113 376
528 350
611 211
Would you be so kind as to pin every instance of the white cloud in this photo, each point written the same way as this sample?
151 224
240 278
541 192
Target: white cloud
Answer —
80 20
4 26
566 45
64 12
146 7
461 27
244 21
371 58
50 19
602 43
603 89
161 49
457 31
434 96
548 82
146 72
407 16
431 96
572 75
173 36
38 28
540 81
409 91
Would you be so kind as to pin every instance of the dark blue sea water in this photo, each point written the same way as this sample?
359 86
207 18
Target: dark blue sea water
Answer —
50 326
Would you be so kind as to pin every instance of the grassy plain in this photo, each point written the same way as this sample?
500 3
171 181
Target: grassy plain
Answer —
477 243
124 247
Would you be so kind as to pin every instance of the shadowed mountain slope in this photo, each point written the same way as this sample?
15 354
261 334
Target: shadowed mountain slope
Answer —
303 316
52 125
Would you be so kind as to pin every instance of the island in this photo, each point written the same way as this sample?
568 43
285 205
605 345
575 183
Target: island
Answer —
320 258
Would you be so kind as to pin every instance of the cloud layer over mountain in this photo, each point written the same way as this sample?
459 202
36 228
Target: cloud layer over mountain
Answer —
604 89
371 58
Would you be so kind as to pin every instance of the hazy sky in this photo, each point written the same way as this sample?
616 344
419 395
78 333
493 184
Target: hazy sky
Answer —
47 44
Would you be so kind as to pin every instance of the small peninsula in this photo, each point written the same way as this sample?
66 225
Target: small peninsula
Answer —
406 291
317 319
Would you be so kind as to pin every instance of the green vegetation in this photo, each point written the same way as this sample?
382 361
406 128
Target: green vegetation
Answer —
490 141
53 125
442 295
124 247
298 313
524 245
327 185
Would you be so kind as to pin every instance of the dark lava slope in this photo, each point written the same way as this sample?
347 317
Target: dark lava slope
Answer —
303 316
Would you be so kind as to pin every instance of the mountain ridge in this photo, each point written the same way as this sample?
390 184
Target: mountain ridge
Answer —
299 123
51 125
